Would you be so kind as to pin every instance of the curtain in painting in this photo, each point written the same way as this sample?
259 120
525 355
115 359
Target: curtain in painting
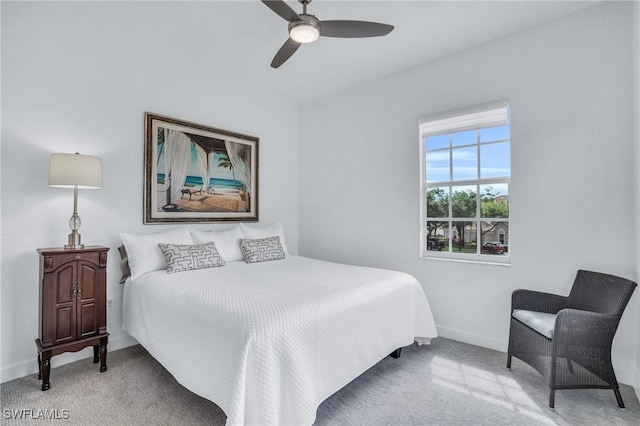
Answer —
203 163
239 156
176 160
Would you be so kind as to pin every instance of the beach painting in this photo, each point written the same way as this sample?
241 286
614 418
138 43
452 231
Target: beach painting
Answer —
197 173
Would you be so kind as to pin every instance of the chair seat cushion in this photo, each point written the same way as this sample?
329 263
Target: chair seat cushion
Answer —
541 322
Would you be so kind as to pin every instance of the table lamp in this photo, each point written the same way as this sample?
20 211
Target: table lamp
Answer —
78 172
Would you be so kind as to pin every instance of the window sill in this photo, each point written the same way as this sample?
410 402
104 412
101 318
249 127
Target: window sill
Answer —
483 259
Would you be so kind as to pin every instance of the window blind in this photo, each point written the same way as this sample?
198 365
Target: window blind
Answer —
488 115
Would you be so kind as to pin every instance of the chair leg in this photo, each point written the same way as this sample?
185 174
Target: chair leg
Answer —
552 399
509 361
619 398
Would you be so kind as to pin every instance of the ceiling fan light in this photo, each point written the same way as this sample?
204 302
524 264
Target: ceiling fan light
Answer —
304 33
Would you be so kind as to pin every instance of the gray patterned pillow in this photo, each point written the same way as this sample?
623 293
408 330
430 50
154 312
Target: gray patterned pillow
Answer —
262 250
185 257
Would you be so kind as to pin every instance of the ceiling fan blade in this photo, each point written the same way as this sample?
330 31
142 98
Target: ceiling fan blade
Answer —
288 48
282 9
353 29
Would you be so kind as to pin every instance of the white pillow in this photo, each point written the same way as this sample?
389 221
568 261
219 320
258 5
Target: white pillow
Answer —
257 233
144 253
226 241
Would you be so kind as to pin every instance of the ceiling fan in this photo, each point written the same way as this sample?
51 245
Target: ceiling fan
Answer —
306 28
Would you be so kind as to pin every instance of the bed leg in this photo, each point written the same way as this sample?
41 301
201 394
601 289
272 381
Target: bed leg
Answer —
396 353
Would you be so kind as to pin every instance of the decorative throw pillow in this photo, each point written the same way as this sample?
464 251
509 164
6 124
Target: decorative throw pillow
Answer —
226 241
258 232
143 252
185 257
261 250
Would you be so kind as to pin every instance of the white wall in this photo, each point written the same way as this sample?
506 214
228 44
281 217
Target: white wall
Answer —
78 77
569 82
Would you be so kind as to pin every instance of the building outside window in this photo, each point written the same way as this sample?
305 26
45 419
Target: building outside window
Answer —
465 175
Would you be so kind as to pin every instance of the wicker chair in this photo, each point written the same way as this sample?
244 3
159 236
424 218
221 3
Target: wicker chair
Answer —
578 354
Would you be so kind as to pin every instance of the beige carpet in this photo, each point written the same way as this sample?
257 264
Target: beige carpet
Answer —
447 383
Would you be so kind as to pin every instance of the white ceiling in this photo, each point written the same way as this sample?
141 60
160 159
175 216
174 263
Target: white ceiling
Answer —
243 37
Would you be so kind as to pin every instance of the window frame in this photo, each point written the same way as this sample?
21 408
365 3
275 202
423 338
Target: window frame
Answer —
475 118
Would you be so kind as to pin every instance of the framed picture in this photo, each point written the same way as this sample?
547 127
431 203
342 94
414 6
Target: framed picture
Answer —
197 173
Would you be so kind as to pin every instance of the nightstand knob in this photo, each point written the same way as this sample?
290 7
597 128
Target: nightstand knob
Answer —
76 290
77 256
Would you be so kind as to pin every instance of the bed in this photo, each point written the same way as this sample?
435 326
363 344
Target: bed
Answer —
268 342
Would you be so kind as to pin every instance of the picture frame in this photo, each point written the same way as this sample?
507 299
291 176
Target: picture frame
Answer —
198 173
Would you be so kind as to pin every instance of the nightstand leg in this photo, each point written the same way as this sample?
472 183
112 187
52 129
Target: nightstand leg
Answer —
39 367
103 357
46 368
96 356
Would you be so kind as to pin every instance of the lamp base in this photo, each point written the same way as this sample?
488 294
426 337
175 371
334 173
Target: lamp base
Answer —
74 241
68 247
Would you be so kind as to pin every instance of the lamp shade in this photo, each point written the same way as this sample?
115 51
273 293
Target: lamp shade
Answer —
75 170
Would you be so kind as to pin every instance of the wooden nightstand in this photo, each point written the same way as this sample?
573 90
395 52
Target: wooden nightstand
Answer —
73 305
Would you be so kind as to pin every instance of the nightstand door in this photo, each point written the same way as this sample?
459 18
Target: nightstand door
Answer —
58 289
90 303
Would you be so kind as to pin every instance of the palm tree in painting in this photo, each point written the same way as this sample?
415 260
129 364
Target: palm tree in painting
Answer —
225 163
160 147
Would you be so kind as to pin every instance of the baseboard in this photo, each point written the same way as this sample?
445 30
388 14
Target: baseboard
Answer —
624 375
26 368
484 341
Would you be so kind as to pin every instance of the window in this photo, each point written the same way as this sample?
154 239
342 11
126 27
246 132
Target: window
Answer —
465 176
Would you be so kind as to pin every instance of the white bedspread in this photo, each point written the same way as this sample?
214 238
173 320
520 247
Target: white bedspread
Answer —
268 342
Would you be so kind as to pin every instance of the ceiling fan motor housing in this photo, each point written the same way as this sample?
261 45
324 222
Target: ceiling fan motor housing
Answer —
306 29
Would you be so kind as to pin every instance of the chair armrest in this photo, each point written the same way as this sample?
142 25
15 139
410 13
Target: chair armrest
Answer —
537 301
583 328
